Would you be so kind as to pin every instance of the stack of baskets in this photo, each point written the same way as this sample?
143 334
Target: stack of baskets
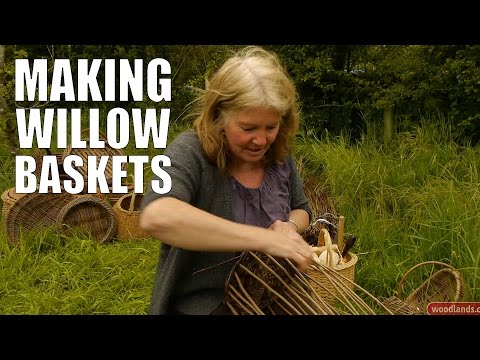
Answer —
65 211
95 214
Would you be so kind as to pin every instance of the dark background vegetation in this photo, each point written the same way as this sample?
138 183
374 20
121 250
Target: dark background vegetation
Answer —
342 88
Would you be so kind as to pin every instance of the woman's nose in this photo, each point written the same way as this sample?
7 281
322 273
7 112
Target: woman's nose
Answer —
260 140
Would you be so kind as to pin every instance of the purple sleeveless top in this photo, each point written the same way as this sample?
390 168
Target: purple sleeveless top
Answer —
263 205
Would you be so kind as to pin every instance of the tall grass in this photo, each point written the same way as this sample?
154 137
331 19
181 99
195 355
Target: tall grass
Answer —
52 274
415 200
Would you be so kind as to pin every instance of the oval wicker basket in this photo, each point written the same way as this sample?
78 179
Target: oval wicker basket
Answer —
33 212
444 285
127 212
9 197
85 153
324 285
90 214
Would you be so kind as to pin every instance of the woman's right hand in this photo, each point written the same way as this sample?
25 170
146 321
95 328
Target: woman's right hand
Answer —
292 246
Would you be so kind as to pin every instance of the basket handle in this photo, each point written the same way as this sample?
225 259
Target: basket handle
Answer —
129 180
324 238
132 202
400 284
341 232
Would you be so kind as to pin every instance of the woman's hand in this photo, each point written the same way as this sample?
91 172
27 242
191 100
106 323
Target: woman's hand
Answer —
283 226
289 244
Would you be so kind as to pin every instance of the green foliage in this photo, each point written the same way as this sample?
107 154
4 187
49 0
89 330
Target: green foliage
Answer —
341 87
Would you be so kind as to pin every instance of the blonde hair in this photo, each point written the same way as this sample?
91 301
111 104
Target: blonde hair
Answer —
251 78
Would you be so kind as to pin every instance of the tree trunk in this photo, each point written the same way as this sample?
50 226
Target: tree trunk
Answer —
8 122
387 124
3 102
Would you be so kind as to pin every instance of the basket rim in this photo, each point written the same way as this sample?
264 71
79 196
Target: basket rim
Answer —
117 205
429 262
7 194
80 199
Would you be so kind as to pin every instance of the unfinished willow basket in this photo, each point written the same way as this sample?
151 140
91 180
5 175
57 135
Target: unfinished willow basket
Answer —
89 214
260 284
127 212
444 285
33 212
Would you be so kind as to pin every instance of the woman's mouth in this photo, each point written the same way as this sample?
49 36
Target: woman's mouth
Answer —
255 151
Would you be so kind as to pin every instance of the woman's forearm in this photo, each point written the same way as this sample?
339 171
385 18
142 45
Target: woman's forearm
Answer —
182 225
300 218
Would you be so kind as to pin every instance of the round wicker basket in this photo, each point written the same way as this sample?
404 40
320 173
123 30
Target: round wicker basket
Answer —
324 285
90 214
127 212
33 212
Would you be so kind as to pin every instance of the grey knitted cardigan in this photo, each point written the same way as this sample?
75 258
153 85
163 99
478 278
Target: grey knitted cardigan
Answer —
197 181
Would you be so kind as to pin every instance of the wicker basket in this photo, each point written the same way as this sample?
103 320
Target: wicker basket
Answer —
260 284
90 214
85 153
114 197
444 285
127 212
327 221
324 285
9 197
38 156
258 276
33 212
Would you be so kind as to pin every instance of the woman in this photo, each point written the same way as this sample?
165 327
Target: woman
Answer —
235 186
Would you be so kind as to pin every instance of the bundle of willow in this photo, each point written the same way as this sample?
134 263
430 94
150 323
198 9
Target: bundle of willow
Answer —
260 284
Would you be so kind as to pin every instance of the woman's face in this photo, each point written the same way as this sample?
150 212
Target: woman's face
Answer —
250 133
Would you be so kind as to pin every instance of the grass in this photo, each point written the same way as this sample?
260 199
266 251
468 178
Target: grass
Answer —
412 201
415 200
52 274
